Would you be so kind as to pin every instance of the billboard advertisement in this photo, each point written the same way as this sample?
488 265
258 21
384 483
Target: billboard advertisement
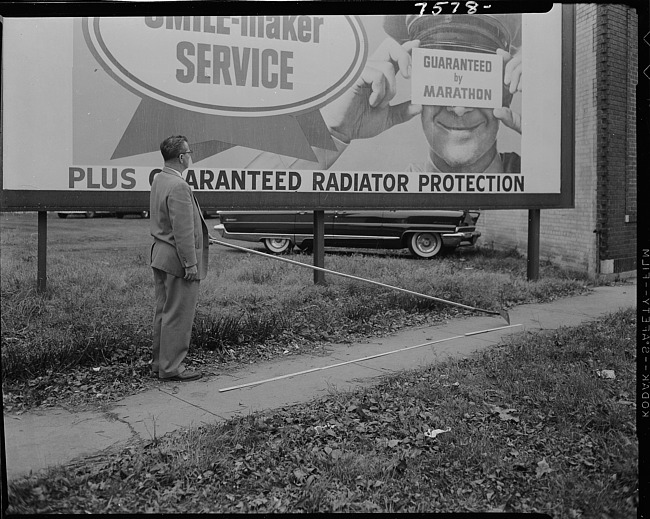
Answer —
304 111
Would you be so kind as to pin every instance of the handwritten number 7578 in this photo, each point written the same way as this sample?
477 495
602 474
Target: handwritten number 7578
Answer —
438 7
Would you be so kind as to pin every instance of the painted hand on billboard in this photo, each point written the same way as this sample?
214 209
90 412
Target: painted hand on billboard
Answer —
364 110
513 81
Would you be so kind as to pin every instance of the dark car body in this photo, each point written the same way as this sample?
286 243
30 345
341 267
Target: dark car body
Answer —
85 214
122 214
425 233
93 214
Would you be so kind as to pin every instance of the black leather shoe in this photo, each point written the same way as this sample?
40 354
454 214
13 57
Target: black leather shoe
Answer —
185 376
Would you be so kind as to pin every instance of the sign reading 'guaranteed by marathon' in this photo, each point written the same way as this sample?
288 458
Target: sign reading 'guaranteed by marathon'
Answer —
449 78
395 104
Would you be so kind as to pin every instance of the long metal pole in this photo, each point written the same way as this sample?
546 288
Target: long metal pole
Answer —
280 377
501 313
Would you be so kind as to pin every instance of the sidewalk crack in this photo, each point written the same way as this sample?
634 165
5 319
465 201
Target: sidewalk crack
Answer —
110 415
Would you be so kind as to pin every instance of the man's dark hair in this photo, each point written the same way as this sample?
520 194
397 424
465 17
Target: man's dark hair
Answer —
172 147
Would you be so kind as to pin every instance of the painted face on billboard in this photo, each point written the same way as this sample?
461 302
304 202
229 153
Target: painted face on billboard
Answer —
463 139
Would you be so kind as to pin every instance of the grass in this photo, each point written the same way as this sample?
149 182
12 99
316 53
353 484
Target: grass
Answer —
530 427
96 307
93 324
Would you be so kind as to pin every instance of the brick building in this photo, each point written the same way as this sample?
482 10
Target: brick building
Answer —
599 234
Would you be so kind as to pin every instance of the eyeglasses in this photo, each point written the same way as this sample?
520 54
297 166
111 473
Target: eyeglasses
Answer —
186 152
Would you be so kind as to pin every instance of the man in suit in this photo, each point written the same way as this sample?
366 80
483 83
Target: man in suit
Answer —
179 259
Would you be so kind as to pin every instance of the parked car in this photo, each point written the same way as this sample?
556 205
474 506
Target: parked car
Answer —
86 214
142 214
425 233
93 214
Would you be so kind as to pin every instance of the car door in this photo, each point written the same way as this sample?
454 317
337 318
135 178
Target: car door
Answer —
357 229
260 224
304 226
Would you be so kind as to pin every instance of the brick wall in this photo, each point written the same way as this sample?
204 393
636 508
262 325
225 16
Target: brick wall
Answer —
617 80
602 162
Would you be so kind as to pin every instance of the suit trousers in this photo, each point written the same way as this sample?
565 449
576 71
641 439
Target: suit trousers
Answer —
176 301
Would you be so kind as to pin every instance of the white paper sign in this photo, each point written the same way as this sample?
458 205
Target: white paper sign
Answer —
455 78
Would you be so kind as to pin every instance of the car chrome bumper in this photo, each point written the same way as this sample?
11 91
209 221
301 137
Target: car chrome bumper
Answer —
458 239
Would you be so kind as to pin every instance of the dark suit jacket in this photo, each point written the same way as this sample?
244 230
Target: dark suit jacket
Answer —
177 226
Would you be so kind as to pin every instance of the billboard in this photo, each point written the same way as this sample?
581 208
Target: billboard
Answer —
300 111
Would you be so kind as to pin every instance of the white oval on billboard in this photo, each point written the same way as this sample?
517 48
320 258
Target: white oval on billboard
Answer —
232 65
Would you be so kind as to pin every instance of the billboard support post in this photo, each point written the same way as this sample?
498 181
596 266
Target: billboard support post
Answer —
41 278
533 244
319 246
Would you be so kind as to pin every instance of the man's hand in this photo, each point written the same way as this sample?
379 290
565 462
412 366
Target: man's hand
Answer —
191 273
364 111
513 81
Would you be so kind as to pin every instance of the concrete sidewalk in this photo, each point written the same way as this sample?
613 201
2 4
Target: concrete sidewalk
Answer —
37 440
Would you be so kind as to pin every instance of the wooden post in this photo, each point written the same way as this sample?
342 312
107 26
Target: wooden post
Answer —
319 246
533 244
41 276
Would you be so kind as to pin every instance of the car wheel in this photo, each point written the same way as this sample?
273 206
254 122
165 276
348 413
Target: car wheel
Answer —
277 245
425 244
119 215
90 214
63 215
144 214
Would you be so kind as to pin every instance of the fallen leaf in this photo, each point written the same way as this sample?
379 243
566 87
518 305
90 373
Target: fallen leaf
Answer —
504 414
432 433
543 468
399 466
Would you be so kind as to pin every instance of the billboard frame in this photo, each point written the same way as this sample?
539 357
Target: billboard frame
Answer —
63 200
